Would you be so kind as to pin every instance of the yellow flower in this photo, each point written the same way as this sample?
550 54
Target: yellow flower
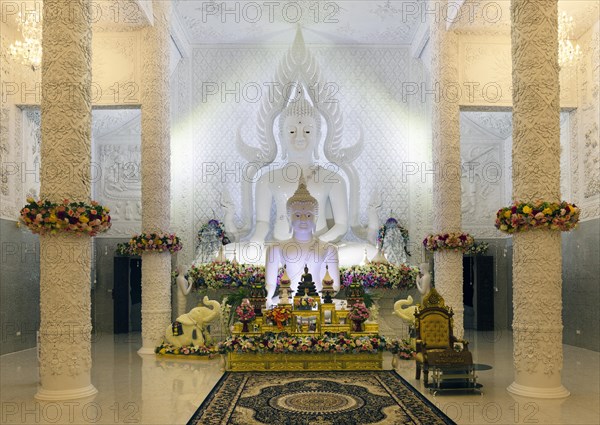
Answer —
547 211
526 209
52 218
83 219
507 213
571 208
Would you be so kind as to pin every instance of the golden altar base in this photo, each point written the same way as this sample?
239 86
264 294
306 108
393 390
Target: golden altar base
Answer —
322 319
252 362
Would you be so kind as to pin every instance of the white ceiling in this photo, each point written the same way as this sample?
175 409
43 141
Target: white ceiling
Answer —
323 21
493 16
346 21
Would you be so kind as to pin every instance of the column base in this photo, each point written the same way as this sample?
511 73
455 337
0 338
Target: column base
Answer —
72 394
537 392
144 351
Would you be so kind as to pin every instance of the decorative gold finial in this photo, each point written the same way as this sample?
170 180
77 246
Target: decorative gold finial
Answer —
302 196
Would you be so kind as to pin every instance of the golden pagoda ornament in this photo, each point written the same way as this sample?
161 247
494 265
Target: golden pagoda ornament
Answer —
327 287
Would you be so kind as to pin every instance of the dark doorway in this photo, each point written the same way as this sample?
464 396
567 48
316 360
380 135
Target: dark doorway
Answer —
478 292
127 294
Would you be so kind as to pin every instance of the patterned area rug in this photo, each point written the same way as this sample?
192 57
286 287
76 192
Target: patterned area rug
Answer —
316 398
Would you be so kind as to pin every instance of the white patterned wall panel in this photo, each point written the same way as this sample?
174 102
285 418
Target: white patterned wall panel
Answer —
587 124
182 161
485 170
367 83
18 87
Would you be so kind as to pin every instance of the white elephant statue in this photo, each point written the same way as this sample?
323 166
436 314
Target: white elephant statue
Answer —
405 313
190 328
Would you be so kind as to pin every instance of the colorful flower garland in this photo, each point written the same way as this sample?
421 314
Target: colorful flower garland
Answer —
43 217
272 343
225 275
228 275
523 216
451 241
380 276
191 350
155 242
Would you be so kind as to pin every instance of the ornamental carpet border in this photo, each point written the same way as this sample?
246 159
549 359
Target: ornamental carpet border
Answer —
316 398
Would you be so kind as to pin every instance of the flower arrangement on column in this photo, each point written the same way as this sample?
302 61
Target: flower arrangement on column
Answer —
453 241
522 216
154 242
46 217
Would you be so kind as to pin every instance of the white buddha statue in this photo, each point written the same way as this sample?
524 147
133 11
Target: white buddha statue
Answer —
303 248
300 133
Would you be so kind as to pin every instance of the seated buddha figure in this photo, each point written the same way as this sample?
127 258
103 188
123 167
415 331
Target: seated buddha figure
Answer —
303 249
300 133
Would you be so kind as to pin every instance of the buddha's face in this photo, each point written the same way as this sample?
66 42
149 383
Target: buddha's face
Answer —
302 217
300 133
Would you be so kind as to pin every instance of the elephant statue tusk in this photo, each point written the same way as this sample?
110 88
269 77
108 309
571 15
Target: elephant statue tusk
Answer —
404 310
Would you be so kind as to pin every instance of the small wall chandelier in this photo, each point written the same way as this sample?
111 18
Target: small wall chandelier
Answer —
567 53
29 51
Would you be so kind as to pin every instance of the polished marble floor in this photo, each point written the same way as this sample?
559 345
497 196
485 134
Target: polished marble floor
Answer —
132 389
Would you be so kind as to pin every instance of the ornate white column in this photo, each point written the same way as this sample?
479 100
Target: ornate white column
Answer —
65 304
446 159
156 175
537 281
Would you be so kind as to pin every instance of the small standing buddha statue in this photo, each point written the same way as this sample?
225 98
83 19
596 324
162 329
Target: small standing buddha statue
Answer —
284 288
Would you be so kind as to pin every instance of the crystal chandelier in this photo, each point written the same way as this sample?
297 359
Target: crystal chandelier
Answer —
28 51
567 53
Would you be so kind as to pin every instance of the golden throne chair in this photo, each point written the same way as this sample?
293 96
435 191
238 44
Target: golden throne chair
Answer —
435 341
